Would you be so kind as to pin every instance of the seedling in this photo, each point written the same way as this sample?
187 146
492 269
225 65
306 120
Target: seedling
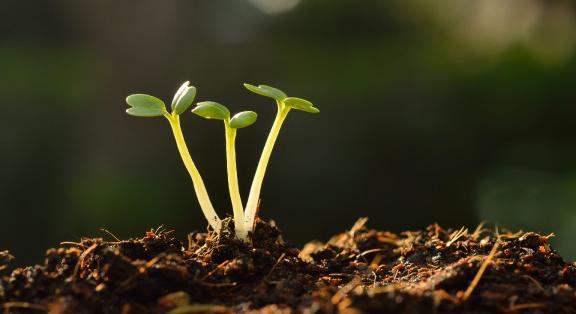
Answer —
214 110
284 104
143 105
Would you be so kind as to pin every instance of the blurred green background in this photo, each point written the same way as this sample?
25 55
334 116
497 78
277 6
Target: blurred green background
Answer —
453 111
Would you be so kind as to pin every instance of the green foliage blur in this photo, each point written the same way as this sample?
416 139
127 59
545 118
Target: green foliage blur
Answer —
451 111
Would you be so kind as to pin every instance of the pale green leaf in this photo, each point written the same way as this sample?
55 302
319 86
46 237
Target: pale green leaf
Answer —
145 112
300 104
145 101
267 91
311 110
182 88
184 100
211 110
243 119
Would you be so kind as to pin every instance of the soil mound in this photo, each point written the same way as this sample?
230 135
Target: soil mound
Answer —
359 271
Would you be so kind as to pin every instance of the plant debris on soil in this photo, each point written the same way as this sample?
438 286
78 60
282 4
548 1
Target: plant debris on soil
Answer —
359 271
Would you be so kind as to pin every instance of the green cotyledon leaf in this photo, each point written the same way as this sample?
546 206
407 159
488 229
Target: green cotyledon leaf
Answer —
145 101
183 98
145 112
243 119
211 110
267 91
179 92
300 104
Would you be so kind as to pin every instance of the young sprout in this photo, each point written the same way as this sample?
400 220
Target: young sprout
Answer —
213 110
143 105
285 104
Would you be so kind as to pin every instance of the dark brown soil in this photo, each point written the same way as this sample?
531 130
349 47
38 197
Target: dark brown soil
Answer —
358 271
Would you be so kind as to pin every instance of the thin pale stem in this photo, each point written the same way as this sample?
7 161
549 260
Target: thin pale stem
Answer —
253 198
233 187
197 181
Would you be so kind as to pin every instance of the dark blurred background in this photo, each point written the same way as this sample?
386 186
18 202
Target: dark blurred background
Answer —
432 111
